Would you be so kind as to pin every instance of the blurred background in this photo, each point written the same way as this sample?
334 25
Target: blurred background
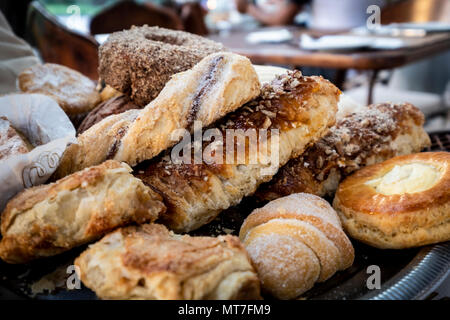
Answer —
374 50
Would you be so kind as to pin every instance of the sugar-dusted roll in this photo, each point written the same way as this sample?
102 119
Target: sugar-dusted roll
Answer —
300 109
49 219
217 85
367 136
400 203
294 242
150 262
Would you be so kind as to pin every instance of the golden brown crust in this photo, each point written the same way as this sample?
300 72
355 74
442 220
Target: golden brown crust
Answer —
301 108
397 220
277 233
49 219
369 136
161 265
74 92
217 85
114 105
95 146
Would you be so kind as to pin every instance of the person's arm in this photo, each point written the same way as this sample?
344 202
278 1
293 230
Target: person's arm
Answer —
285 14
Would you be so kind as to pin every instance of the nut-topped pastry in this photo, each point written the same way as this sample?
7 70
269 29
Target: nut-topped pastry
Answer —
370 135
400 203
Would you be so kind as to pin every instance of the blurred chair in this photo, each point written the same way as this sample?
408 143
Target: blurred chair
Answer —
124 14
57 44
428 103
416 11
193 17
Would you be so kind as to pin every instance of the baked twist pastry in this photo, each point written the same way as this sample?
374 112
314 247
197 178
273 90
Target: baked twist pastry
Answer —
74 92
115 105
11 142
149 262
370 135
300 108
140 61
400 203
294 242
49 219
217 85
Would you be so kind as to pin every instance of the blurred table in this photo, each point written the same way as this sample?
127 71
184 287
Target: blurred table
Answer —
291 54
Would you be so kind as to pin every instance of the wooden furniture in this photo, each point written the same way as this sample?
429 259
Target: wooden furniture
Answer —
124 14
416 11
193 17
57 44
291 53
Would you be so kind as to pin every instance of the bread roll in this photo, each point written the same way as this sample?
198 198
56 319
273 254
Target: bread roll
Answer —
75 93
294 242
367 136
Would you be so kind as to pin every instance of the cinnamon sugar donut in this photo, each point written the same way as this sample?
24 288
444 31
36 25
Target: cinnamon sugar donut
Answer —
141 60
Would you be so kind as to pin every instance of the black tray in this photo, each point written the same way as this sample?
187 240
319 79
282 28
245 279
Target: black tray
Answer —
405 274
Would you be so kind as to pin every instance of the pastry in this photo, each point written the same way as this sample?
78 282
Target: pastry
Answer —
300 108
365 137
400 203
140 61
267 73
49 219
217 85
294 242
150 262
115 105
108 92
11 141
75 93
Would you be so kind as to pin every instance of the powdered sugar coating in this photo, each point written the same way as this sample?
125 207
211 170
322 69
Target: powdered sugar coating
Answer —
286 267
304 219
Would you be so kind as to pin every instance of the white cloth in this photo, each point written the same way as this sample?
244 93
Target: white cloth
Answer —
15 56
